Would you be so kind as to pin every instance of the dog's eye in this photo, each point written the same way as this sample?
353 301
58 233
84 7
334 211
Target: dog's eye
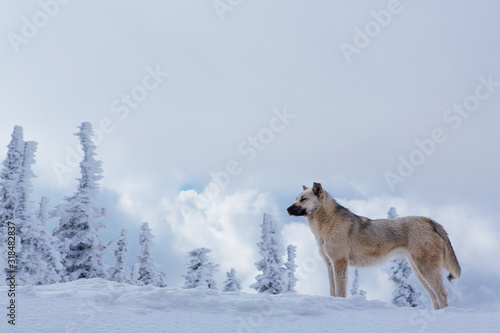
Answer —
302 199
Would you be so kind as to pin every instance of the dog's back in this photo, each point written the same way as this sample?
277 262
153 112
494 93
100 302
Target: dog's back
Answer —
372 241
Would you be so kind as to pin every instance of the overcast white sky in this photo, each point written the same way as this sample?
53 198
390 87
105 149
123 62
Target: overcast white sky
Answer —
264 91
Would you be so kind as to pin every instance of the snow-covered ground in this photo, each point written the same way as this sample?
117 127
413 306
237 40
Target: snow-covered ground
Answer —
96 305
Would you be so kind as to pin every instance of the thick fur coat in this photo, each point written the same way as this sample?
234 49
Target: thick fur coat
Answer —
345 238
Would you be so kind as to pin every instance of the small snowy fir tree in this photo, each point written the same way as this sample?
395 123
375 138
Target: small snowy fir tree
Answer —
405 294
134 274
120 272
51 256
232 283
79 243
200 272
273 277
8 191
355 285
36 258
162 280
290 268
148 272
392 214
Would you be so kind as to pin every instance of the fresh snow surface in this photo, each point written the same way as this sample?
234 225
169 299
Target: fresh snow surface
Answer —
95 305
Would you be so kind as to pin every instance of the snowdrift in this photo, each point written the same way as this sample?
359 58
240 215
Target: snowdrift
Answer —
96 305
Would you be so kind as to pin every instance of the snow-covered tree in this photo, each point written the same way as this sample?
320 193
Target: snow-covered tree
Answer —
24 187
120 272
80 245
36 259
200 272
51 256
134 274
274 276
355 285
148 272
290 268
392 214
42 213
12 168
8 191
405 294
163 280
232 283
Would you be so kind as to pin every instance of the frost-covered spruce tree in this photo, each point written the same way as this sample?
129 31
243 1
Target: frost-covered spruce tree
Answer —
134 274
8 191
79 243
232 283
120 272
51 256
42 213
12 168
36 261
162 280
148 272
405 294
392 214
26 257
24 187
273 277
200 272
290 268
355 285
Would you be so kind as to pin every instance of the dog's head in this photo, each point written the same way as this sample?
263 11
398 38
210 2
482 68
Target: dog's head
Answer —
308 202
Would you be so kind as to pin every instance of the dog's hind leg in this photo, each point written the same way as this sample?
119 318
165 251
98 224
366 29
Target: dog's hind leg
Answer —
435 281
423 282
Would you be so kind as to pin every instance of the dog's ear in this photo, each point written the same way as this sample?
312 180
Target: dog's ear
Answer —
305 187
317 189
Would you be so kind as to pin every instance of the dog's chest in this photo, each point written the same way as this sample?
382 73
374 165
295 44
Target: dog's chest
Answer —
326 236
314 226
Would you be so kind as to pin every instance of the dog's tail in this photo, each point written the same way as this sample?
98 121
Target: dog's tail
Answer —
450 259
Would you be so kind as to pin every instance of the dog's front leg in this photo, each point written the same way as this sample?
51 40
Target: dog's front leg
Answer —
341 277
331 276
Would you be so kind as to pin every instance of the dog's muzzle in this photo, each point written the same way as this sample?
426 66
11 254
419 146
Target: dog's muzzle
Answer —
294 210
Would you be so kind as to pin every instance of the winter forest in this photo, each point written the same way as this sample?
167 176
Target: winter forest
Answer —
74 249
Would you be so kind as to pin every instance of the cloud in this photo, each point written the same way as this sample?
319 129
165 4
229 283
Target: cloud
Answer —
311 270
229 225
